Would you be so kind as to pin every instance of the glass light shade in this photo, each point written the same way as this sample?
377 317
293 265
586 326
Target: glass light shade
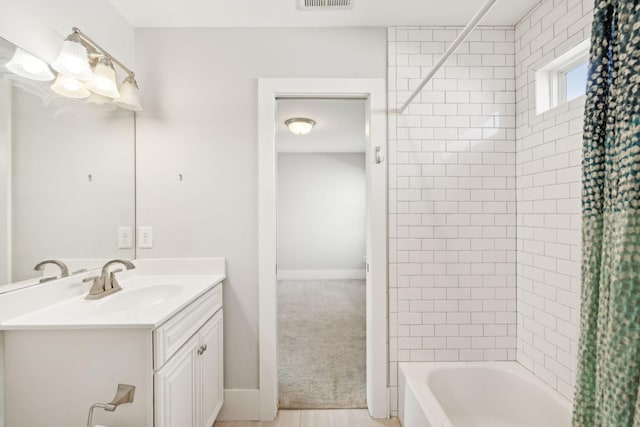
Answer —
94 98
73 60
26 65
69 87
300 125
104 79
101 102
129 96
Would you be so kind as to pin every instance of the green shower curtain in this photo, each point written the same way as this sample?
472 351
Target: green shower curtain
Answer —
608 381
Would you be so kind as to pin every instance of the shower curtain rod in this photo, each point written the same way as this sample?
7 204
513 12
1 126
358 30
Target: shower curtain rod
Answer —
461 38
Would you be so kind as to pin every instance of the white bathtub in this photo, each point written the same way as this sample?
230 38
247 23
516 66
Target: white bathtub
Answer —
477 394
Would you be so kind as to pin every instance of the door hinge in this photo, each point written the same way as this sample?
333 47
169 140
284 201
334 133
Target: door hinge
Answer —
379 156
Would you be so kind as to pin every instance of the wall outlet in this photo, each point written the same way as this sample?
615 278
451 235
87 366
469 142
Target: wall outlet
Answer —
125 238
145 237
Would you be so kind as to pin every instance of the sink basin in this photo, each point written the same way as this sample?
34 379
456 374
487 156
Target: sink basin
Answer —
132 299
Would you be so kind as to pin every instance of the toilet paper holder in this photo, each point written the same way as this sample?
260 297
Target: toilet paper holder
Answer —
124 394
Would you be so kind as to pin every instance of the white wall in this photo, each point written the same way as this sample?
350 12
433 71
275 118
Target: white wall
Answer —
452 198
549 154
199 87
321 214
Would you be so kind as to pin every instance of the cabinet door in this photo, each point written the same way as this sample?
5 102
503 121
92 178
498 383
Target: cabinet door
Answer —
211 369
175 389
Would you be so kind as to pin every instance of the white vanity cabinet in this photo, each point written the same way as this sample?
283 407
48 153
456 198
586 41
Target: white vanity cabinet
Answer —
55 371
189 386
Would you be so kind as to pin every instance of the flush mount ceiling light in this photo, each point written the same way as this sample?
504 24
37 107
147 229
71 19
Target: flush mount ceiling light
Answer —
26 65
300 125
79 53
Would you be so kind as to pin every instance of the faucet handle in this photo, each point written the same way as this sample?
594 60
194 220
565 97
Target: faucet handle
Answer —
112 283
97 287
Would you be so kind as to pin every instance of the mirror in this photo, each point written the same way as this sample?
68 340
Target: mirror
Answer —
67 179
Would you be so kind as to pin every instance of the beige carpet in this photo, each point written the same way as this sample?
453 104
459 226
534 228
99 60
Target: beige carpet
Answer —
321 344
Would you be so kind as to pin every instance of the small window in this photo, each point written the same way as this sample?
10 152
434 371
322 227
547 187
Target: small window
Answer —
575 81
564 79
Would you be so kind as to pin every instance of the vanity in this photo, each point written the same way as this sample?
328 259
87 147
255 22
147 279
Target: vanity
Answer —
59 352
163 333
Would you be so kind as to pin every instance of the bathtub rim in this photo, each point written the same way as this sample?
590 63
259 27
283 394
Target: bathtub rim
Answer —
410 371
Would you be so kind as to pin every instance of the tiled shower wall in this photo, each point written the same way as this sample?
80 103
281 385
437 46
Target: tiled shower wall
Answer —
548 192
452 198
481 190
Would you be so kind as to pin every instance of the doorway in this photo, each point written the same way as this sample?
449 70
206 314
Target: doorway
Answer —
372 92
321 246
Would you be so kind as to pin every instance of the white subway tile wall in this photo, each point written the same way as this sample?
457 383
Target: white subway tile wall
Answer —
483 193
452 198
548 159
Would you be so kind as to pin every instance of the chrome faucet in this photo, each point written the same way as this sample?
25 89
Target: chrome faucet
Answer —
64 270
106 283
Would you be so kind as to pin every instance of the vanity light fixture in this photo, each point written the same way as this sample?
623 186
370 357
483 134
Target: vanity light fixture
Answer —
129 98
97 99
80 53
101 102
300 125
104 79
73 60
26 65
69 87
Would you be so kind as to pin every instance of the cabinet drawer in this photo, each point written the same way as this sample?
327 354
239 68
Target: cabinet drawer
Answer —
172 334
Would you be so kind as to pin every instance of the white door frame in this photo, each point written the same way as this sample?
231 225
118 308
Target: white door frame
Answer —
373 91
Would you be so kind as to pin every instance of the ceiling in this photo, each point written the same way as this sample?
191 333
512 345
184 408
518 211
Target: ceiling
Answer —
284 13
340 126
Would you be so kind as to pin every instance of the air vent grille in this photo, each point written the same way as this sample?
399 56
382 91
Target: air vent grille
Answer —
324 4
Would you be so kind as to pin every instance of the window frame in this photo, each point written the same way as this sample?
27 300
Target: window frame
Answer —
562 78
551 80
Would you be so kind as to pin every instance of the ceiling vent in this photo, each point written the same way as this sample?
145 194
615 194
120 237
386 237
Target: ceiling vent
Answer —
325 4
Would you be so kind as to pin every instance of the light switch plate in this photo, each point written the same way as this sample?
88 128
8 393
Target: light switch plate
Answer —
125 238
145 237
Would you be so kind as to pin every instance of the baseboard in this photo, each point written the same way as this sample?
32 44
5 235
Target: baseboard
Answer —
240 405
2 379
321 275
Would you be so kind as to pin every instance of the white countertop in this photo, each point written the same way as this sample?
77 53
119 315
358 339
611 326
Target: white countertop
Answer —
119 310
145 301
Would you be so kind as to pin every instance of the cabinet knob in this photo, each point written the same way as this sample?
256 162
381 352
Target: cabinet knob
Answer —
202 349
